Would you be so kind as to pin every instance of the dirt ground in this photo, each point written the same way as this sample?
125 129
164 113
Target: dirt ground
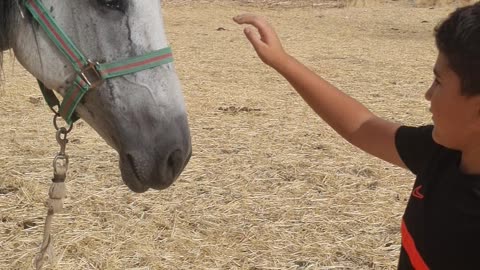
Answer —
269 186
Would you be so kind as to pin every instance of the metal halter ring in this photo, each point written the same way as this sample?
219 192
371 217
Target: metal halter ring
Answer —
56 125
90 75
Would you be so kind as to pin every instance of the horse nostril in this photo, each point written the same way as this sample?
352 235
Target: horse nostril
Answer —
131 162
152 169
175 163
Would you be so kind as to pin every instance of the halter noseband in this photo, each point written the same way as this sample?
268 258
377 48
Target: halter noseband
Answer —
90 74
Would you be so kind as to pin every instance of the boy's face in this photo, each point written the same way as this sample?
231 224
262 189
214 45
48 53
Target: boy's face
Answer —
456 118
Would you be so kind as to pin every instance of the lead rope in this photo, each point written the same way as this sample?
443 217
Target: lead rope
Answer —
56 194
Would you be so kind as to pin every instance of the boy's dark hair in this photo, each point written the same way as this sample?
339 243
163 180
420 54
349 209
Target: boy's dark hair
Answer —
458 38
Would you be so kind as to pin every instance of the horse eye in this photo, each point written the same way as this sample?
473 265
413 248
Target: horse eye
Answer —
119 5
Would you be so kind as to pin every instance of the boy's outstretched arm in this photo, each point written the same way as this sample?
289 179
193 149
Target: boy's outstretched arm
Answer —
345 115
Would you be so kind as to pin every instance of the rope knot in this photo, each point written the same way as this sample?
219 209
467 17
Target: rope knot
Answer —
56 194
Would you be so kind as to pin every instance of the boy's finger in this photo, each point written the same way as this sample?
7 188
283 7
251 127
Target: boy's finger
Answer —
253 37
259 22
252 19
246 18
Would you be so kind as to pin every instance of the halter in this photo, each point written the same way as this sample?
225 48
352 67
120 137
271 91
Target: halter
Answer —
89 74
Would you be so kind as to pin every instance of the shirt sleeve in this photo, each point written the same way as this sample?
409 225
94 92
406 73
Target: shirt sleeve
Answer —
415 146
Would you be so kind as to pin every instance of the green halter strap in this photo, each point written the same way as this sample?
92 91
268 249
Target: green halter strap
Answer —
89 74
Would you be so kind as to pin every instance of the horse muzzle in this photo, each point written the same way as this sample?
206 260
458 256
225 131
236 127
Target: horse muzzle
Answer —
156 168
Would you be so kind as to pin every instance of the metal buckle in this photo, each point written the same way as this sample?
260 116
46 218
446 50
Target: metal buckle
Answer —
90 75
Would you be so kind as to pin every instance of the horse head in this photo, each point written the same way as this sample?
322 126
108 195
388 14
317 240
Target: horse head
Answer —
142 114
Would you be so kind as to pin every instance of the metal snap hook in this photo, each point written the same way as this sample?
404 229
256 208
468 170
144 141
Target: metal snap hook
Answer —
55 124
62 140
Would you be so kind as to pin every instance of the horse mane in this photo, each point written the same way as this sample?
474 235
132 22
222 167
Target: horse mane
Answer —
5 9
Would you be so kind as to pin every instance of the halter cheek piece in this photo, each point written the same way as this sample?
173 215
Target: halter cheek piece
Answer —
89 74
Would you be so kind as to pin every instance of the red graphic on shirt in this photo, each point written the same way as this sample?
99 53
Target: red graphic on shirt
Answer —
408 244
416 193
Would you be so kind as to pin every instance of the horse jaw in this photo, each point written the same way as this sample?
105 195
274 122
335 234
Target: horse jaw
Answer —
146 130
141 115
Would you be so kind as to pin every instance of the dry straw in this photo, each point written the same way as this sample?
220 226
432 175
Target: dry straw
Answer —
269 185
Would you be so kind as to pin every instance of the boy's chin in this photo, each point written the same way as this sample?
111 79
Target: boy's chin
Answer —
437 138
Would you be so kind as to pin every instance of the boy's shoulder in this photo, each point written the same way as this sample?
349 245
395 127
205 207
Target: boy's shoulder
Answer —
418 150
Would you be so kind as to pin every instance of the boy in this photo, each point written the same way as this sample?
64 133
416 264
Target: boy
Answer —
441 225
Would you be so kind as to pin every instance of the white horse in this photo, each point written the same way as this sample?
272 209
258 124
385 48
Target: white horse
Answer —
140 113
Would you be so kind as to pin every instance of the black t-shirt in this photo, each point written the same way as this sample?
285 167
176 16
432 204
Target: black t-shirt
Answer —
441 224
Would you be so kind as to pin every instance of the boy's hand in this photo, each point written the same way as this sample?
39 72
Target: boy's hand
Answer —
267 45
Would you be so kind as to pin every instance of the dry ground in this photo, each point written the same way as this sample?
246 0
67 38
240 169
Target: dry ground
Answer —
269 186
